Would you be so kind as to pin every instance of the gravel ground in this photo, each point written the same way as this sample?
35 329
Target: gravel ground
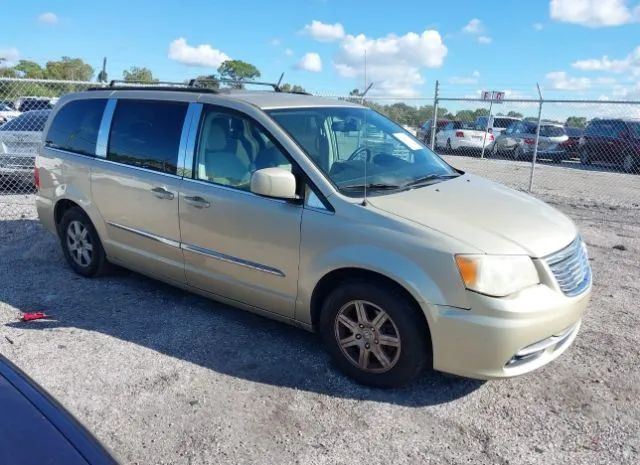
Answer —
165 377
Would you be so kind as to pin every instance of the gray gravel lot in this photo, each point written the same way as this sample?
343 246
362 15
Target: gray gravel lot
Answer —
162 376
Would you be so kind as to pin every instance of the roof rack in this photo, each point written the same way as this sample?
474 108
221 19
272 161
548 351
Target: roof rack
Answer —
159 85
275 86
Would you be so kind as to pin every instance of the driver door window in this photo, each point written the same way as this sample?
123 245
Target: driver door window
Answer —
231 147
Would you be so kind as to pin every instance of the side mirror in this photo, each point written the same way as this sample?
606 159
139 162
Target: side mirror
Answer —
274 182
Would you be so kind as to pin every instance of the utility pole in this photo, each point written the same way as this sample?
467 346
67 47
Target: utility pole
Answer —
535 146
435 115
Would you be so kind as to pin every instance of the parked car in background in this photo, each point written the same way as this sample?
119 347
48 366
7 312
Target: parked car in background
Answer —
7 113
519 140
497 124
36 103
460 135
399 260
19 142
572 145
612 141
424 131
35 429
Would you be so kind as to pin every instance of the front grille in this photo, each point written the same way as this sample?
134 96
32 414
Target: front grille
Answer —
570 267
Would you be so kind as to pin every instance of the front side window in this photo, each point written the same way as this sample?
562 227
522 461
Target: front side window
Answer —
231 147
75 126
358 148
146 134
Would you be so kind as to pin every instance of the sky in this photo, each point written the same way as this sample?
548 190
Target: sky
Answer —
572 48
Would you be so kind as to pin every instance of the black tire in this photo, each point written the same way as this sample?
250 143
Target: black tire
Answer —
414 346
585 159
97 263
518 153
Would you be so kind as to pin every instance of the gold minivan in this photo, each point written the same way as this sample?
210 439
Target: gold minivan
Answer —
320 213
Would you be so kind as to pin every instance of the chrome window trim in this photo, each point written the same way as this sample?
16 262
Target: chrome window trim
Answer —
139 168
201 250
105 126
188 140
229 259
148 235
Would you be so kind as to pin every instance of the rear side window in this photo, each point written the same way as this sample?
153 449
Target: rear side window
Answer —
146 133
551 131
75 126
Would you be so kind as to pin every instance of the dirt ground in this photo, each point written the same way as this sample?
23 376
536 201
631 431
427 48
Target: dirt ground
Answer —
165 377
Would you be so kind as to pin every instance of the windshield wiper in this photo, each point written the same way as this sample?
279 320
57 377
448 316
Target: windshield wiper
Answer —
429 179
374 186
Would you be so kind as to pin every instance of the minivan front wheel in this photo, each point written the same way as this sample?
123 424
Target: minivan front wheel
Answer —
629 163
375 334
80 243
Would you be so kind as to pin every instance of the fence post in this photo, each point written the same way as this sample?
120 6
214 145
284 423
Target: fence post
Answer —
486 130
535 146
434 125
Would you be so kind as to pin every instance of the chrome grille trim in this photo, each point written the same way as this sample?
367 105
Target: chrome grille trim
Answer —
571 269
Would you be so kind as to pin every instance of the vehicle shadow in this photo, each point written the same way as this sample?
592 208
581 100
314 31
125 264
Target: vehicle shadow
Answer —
146 312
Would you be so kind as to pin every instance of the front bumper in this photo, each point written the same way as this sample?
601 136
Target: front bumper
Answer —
504 337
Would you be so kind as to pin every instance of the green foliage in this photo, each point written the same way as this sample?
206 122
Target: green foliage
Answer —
138 74
238 70
29 69
576 122
286 87
209 81
71 69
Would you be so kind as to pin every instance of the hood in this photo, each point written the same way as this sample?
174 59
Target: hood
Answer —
483 214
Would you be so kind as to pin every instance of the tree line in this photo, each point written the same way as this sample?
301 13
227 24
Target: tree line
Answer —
231 73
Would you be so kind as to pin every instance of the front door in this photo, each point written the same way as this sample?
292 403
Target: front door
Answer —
237 244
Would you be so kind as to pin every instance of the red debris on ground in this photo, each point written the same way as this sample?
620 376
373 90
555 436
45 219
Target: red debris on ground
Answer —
34 316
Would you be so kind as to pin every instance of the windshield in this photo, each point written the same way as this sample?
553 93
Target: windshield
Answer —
29 121
635 130
551 131
358 147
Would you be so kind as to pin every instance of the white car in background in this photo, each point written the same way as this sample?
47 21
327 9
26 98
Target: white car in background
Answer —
7 113
20 139
458 135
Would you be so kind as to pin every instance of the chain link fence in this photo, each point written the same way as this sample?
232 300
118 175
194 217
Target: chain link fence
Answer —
25 105
578 150
581 150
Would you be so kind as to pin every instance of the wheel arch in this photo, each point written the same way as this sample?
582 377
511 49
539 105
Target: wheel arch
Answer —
333 278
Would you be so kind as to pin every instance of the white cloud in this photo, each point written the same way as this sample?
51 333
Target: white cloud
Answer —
628 64
10 55
201 55
323 32
48 18
594 13
310 62
465 80
393 62
276 42
560 80
288 52
484 40
473 27
537 26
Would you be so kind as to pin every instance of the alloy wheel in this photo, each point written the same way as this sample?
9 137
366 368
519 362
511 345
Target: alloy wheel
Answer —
367 336
79 243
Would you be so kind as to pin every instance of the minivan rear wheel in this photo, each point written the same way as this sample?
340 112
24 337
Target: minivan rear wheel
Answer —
375 334
81 244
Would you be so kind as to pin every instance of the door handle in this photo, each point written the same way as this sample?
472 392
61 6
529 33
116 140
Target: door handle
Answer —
162 193
197 201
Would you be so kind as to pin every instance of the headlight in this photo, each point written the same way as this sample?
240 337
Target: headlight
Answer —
497 275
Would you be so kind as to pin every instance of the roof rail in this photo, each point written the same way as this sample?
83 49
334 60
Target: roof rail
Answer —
237 82
158 85
121 82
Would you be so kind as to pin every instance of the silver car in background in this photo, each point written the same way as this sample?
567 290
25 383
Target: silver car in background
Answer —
20 139
519 140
